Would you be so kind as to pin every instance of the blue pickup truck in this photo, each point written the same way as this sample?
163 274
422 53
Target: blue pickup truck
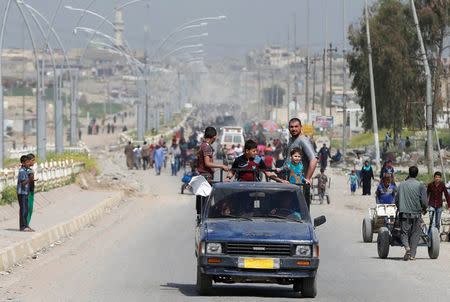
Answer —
257 232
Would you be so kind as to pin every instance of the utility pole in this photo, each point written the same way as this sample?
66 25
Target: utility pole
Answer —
308 119
73 109
330 50
260 107
324 83
344 92
372 92
429 111
295 64
324 75
59 136
314 83
288 78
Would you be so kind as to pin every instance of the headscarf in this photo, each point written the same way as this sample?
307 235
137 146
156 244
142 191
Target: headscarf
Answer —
366 167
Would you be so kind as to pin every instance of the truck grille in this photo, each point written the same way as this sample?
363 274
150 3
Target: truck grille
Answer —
260 249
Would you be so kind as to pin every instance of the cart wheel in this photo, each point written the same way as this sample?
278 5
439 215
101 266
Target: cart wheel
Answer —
433 248
328 199
367 230
383 242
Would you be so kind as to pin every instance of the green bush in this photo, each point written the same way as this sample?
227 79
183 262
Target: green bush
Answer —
9 195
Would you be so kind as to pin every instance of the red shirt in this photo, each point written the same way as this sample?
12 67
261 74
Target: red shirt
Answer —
268 161
435 194
205 150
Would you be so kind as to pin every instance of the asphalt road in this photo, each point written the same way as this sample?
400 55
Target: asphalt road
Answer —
144 251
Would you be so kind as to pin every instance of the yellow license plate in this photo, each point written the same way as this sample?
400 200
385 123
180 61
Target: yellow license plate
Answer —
258 263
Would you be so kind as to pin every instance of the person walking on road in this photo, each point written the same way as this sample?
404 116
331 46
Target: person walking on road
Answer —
411 202
137 156
158 159
175 154
129 154
435 190
309 156
145 153
366 177
357 165
324 154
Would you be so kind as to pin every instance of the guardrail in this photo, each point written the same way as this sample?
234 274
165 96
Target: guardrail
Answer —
17 153
50 174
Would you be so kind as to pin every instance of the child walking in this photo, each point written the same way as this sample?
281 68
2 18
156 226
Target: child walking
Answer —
322 180
353 179
295 168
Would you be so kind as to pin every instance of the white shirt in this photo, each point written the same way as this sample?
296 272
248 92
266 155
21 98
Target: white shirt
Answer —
238 151
358 162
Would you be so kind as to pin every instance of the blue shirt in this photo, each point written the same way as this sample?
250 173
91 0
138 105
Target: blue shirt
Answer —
23 176
385 195
353 178
295 173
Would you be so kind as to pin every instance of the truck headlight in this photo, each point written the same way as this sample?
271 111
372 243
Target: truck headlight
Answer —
303 250
213 248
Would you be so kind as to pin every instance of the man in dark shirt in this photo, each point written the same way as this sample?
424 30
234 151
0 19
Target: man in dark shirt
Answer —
249 161
324 153
205 163
435 190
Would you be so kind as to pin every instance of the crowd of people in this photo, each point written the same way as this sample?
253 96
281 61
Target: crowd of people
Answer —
106 125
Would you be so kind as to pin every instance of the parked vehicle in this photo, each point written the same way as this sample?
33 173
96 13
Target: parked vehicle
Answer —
232 136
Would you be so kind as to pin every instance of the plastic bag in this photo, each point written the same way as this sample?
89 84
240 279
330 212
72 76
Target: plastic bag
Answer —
200 186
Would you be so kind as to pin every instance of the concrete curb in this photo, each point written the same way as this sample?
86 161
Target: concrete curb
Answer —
22 249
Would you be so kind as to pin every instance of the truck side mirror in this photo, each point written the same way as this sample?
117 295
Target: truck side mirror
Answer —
319 221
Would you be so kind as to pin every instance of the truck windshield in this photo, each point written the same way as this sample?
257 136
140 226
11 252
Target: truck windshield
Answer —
257 203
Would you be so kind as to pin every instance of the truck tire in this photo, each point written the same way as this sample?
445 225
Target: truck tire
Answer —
433 248
297 286
204 283
383 242
309 287
367 231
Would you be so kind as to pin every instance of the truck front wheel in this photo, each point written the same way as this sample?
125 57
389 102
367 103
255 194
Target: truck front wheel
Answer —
204 283
309 287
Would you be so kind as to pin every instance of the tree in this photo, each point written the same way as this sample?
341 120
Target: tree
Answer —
434 21
398 75
273 96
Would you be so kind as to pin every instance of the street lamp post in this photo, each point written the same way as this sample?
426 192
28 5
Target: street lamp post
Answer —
59 116
2 130
372 92
40 101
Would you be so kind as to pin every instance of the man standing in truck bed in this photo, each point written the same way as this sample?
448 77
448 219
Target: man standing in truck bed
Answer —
309 155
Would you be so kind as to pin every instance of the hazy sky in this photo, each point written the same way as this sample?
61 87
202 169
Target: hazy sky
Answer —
250 24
